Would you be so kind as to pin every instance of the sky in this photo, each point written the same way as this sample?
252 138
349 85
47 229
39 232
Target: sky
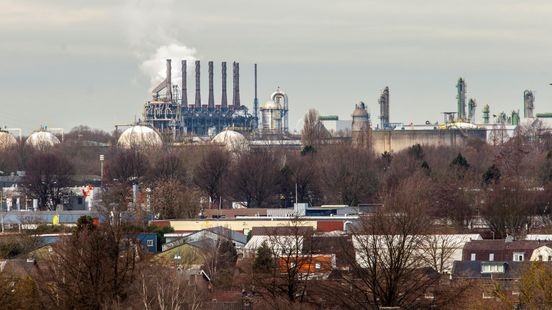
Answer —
65 63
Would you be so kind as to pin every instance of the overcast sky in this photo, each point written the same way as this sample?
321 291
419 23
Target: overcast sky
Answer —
69 62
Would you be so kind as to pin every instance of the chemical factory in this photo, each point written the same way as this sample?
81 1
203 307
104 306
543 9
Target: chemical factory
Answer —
171 115
169 118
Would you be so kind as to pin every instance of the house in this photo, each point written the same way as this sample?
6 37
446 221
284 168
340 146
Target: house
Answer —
308 267
437 251
507 250
279 239
208 236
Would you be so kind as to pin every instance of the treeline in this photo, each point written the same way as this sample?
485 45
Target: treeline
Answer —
458 182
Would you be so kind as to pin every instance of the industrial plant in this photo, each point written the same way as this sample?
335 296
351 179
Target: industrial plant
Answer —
170 113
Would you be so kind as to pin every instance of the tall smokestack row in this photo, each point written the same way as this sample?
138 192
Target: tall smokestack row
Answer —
169 84
211 102
236 98
184 100
256 100
224 99
197 85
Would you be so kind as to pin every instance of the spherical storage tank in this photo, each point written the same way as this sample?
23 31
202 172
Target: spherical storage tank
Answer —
232 140
42 139
139 136
6 140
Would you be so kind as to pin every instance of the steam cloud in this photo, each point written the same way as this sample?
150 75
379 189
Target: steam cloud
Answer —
151 28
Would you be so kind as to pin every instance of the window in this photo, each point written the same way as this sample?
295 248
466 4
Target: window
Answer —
519 256
150 243
487 295
292 264
492 268
472 256
317 266
549 258
491 257
540 258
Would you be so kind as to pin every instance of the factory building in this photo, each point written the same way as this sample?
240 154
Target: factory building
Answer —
172 116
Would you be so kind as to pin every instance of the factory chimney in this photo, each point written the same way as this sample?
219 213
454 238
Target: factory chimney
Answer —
224 99
211 102
197 86
184 100
166 84
256 102
236 93
384 108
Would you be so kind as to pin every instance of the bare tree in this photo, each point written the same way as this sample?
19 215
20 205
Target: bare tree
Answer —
127 166
388 266
210 174
173 200
162 288
93 268
508 207
47 177
313 133
348 175
255 177
438 251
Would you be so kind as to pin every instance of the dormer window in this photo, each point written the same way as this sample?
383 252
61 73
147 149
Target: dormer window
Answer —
492 267
519 256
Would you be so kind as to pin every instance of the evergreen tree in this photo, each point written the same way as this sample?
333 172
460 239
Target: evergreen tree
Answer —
264 262
492 175
460 162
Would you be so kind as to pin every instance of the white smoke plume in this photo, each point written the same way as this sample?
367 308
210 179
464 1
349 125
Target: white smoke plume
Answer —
151 29
155 66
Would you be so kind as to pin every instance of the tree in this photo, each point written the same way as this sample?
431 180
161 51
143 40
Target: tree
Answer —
388 267
535 286
211 173
46 179
91 269
128 166
281 270
264 261
168 166
221 257
173 200
313 132
348 175
507 208
255 179
491 176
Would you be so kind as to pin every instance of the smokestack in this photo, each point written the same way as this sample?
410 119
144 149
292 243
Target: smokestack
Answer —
197 86
211 101
169 84
236 97
224 99
256 101
184 101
